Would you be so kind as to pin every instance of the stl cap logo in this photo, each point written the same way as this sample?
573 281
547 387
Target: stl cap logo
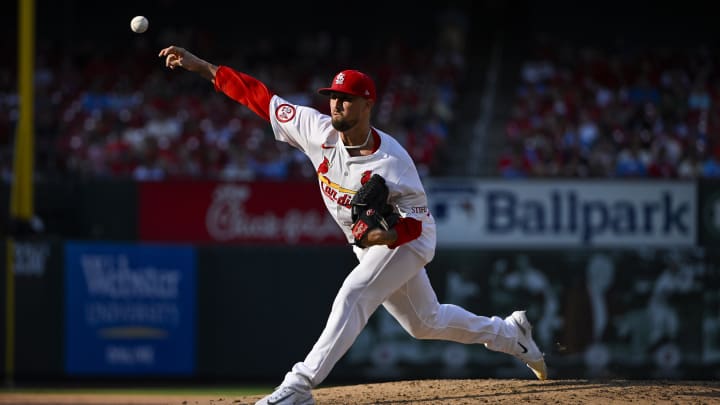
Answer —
370 212
340 78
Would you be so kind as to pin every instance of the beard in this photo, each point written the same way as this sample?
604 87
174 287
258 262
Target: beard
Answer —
341 124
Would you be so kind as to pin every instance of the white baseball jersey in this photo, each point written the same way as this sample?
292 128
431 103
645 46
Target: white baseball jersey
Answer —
393 278
339 174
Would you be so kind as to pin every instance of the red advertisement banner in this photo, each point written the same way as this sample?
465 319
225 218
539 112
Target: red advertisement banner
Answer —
213 212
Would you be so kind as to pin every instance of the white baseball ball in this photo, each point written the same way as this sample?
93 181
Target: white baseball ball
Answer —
139 24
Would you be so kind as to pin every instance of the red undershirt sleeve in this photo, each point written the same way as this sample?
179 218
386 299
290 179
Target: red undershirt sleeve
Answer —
244 89
407 229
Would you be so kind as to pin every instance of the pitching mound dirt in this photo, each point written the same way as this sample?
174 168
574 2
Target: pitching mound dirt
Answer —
443 392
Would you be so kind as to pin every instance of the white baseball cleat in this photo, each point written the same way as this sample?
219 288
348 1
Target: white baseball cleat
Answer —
526 349
287 395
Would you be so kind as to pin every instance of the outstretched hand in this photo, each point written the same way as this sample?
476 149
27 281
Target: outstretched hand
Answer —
176 56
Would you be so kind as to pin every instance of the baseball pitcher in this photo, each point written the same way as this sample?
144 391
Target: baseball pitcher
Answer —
372 189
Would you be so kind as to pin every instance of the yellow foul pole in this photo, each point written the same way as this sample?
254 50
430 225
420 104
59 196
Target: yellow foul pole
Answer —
21 205
21 193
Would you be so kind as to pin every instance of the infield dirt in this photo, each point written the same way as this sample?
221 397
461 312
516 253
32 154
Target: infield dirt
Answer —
428 392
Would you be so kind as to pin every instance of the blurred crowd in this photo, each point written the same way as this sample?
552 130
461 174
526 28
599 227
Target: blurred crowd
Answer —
109 112
614 112
578 110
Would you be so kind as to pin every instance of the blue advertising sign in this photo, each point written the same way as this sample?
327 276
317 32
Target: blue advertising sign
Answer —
129 309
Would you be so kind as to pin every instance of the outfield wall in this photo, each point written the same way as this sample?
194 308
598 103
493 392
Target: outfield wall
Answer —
96 298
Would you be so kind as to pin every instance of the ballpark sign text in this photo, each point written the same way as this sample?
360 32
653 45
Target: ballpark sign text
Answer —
544 213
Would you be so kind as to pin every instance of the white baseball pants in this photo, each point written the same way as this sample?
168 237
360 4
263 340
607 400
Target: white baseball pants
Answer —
397 279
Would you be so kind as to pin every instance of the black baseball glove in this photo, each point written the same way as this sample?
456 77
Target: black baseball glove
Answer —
370 210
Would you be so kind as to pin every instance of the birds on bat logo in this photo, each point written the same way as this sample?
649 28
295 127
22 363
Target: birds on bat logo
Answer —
365 177
323 168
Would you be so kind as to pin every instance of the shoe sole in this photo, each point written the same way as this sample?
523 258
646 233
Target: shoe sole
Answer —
538 368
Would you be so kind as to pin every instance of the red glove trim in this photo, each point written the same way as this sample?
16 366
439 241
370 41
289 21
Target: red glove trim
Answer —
407 229
359 229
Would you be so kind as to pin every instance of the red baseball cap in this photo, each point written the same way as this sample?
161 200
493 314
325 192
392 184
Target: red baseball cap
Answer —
353 82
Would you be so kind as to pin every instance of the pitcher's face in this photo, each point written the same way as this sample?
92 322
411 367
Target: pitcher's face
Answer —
347 110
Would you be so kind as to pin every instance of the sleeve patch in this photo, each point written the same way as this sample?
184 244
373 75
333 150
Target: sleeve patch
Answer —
285 112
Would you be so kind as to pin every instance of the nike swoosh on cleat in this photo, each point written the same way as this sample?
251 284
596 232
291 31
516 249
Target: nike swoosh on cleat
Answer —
278 400
523 347
326 146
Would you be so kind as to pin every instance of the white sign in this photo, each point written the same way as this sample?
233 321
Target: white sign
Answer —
545 213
